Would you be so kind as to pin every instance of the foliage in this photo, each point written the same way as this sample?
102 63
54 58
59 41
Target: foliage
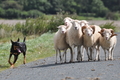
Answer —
109 25
34 8
36 26
112 15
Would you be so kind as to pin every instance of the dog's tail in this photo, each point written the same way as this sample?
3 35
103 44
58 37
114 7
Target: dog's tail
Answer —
24 39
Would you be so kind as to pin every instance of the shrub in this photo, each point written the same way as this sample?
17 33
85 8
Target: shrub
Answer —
112 16
34 13
109 25
36 26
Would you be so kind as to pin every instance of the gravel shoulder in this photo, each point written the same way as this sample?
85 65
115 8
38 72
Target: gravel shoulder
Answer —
46 69
97 22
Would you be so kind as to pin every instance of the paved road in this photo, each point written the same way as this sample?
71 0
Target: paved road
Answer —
45 69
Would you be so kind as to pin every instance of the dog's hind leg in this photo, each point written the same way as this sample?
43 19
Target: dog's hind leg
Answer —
24 61
9 59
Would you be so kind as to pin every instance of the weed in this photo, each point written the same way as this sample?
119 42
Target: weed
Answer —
109 25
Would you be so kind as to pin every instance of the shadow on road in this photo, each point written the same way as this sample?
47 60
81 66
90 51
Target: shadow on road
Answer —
2 66
58 64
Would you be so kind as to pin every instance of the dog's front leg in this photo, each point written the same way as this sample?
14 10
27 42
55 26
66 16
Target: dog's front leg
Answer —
10 58
15 59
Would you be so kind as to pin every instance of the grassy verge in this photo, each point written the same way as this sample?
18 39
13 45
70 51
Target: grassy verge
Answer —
37 48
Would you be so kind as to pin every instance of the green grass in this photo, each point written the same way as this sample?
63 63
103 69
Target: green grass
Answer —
89 18
38 47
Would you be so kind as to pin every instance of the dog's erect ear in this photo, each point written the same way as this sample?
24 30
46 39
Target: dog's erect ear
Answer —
24 39
11 41
18 40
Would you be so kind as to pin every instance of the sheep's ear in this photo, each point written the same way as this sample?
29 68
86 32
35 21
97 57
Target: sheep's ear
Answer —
101 32
113 33
66 27
83 24
70 19
83 29
93 27
86 22
58 27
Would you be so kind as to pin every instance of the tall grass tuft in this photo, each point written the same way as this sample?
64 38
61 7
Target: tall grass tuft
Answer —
109 25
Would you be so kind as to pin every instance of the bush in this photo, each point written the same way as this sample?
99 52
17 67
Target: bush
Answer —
12 13
34 13
109 25
112 16
2 12
36 26
5 30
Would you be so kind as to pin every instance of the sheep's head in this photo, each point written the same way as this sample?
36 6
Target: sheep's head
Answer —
75 25
107 33
83 23
67 21
88 30
62 28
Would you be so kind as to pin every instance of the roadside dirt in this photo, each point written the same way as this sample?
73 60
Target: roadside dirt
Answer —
96 22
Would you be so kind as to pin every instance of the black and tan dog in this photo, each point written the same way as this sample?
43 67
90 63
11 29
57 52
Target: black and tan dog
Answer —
17 48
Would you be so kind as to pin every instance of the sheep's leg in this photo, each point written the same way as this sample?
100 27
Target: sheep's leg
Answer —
112 53
105 55
109 52
72 54
91 53
60 56
98 52
56 56
79 56
78 53
82 53
87 53
65 55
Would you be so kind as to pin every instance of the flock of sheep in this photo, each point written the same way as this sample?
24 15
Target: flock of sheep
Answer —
78 33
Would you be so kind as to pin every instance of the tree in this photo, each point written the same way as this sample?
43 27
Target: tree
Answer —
99 8
11 4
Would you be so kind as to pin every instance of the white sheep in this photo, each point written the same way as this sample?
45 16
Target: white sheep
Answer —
67 21
91 39
108 41
60 41
74 39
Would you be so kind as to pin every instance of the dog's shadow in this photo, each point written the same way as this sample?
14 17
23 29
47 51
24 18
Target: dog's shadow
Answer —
3 66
